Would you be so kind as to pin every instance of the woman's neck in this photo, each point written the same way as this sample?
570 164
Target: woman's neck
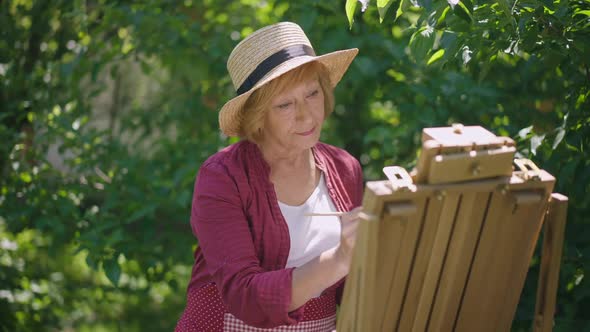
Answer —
293 174
283 159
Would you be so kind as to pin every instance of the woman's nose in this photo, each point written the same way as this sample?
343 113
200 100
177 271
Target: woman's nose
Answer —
303 112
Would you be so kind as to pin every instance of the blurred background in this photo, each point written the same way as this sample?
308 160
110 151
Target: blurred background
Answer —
108 108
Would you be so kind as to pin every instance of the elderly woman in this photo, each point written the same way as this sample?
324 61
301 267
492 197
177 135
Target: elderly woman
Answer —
264 259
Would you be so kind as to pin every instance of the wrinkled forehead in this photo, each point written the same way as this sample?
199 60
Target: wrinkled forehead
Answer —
305 75
293 89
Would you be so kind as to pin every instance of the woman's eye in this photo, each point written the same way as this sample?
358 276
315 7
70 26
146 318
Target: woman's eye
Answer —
314 93
284 106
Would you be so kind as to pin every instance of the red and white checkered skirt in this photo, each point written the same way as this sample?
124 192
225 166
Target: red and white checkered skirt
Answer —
319 315
327 324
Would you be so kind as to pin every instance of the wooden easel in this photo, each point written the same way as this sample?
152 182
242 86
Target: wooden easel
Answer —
450 246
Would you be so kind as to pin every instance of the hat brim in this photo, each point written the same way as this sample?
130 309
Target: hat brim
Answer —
336 62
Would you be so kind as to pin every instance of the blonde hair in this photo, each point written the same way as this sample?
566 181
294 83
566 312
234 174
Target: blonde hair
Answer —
254 111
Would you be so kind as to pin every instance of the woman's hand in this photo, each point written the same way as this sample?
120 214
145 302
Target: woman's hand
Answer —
331 265
349 223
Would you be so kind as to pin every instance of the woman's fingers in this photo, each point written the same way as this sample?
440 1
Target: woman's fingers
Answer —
350 222
352 214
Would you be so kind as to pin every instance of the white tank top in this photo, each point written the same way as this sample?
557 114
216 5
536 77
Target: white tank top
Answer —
310 236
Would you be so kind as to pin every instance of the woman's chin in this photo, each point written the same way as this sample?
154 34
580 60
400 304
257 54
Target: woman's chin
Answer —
307 142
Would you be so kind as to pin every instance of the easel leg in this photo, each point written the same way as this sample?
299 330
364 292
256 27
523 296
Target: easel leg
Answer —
554 230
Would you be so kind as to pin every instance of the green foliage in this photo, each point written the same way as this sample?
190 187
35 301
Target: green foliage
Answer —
109 108
120 193
521 69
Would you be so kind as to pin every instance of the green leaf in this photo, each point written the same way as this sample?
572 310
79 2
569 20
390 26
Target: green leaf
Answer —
462 11
436 56
350 8
449 42
505 6
26 177
558 137
382 7
400 9
116 237
112 270
583 12
91 262
443 15
421 42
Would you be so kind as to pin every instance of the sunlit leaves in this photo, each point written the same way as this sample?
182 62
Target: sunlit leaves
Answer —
51 109
403 6
436 56
25 177
350 8
534 56
421 43
383 6
464 9
398 76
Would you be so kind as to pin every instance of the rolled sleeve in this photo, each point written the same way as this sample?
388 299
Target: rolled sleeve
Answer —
258 297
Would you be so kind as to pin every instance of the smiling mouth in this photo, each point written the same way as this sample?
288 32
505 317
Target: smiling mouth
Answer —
307 133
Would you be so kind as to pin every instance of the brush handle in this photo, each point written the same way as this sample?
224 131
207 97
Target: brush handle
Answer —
363 215
324 214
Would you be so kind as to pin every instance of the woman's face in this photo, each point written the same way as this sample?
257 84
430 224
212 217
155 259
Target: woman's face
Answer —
295 118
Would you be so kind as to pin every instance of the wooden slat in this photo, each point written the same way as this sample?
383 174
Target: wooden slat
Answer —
401 270
391 233
502 250
357 304
553 234
477 300
421 260
507 248
441 240
528 228
348 313
370 266
349 310
365 264
458 261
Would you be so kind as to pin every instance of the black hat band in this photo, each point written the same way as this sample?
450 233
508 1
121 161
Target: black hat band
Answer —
272 62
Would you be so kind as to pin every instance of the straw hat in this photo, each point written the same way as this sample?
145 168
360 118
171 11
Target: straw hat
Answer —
267 54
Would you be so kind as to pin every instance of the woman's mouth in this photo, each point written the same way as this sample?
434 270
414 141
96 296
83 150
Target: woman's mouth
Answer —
307 133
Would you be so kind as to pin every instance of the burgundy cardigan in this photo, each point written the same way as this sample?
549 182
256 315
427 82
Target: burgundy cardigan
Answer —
243 237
